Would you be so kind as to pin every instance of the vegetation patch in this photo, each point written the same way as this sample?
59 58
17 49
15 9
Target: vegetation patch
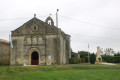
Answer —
61 72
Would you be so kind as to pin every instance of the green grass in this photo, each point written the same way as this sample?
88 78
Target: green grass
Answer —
61 72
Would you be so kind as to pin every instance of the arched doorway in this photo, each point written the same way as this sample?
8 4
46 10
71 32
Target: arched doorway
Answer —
34 58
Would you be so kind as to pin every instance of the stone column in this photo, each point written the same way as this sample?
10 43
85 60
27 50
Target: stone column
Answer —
98 58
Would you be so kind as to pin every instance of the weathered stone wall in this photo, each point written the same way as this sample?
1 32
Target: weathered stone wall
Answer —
51 49
4 53
17 51
65 49
23 48
62 49
37 43
68 51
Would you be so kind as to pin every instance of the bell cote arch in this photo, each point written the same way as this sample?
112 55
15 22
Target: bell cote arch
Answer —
49 21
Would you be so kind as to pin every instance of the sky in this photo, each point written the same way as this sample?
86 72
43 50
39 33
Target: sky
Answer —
93 22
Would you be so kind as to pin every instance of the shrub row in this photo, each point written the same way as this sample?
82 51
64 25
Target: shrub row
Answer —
111 59
76 60
92 59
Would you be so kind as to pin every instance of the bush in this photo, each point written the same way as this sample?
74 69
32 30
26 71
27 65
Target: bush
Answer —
86 59
74 60
92 58
111 59
83 60
79 60
83 54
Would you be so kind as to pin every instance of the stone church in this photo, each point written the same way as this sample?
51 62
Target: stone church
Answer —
39 43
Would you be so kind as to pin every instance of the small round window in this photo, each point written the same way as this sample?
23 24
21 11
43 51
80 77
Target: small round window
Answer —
34 27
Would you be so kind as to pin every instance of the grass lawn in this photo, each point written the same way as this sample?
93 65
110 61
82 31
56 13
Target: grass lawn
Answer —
61 72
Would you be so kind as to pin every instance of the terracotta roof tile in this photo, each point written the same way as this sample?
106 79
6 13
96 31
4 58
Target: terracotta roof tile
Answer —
5 41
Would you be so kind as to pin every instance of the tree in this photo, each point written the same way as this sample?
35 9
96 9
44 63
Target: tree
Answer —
83 55
117 54
92 58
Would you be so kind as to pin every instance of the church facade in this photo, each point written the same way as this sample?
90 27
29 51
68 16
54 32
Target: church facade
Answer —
39 43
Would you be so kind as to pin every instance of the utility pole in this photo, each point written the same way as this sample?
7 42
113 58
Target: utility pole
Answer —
57 31
88 54
57 18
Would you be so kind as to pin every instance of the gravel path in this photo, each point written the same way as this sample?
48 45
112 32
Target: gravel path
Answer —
108 63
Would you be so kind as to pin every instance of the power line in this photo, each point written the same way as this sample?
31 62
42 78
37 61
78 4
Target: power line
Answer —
96 37
18 18
66 18
13 19
88 23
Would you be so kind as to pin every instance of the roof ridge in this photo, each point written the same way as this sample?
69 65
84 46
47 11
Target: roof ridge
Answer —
5 41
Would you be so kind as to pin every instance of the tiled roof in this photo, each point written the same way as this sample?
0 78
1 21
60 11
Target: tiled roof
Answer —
5 41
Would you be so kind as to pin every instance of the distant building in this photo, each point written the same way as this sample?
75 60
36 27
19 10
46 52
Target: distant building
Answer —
75 55
109 52
4 52
101 51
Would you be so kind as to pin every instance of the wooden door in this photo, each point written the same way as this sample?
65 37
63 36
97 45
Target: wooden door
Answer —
34 58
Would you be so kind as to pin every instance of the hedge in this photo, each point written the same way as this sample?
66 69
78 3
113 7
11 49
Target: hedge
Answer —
74 60
111 59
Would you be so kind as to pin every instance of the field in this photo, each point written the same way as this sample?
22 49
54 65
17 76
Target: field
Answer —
61 72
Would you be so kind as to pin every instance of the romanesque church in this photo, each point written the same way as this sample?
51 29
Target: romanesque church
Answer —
37 43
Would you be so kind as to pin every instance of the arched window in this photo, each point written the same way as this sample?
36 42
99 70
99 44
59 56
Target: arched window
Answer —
49 21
